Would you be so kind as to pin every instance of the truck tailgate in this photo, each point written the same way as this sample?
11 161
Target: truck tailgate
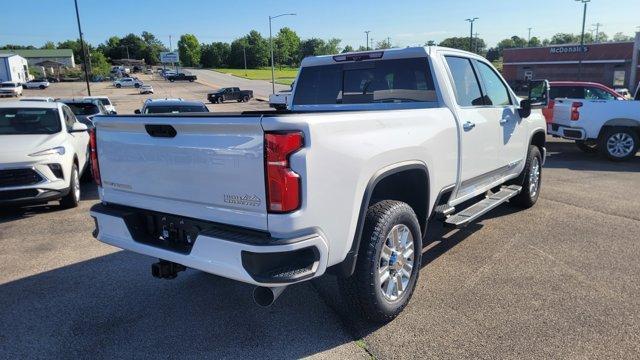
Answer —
562 111
206 167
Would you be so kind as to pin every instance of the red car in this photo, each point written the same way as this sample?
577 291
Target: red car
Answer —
577 90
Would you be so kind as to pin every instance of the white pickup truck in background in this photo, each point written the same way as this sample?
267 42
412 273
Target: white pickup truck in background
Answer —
610 127
375 146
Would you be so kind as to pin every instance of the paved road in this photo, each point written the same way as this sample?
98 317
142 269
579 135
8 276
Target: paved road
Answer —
261 89
557 281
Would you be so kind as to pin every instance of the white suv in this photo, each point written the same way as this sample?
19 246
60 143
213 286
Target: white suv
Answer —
9 88
45 150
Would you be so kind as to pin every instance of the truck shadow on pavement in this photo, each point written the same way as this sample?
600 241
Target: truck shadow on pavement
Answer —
566 155
110 306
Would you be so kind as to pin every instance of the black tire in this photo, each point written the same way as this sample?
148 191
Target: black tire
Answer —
529 195
627 135
172 80
220 100
136 85
363 290
588 147
118 86
72 199
245 98
191 80
239 100
42 87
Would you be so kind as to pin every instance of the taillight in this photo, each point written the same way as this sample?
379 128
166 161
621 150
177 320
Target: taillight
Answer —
283 184
575 114
93 148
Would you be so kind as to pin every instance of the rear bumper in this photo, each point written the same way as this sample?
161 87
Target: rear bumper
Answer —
567 132
226 253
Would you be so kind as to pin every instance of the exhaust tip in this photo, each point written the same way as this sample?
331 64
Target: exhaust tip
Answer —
266 296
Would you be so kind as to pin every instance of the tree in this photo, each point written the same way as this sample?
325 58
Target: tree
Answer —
49 45
312 47
564 38
257 49
347 49
189 50
331 47
286 47
462 43
534 42
384 44
493 54
99 64
74 45
430 43
152 49
621 37
215 55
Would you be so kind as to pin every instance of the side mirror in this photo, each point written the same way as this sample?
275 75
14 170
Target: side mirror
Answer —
538 94
525 108
78 127
137 111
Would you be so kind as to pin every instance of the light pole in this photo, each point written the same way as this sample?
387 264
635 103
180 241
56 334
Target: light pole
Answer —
529 38
471 21
84 52
581 53
273 76
367 32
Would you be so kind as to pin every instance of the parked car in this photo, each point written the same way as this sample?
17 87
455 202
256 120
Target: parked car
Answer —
167 72
36 84
171 106
148 71
105 101
128 82
607 126
253 197
38 98
230 93
9 88
85 109
182 77
624 92
146 89
577 90
45 151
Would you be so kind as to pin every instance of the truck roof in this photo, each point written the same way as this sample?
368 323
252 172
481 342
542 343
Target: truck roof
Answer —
30 104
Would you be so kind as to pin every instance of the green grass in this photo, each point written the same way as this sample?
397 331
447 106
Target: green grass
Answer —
283 76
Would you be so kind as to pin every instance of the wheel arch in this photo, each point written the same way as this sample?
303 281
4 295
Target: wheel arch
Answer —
538 138
622 122
397 183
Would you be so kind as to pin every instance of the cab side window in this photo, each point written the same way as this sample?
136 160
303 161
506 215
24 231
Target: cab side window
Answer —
465 81
496 91
597 94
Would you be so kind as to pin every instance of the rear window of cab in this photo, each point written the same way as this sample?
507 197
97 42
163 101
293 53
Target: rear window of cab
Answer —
365 82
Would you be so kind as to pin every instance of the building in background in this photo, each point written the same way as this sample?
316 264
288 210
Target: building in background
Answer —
14 68
35 56
610 64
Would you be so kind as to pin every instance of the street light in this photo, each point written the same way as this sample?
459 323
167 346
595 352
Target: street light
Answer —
581 54
273 77
471 21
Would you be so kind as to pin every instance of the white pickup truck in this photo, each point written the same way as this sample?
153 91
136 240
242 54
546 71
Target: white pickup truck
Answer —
374 146
611 127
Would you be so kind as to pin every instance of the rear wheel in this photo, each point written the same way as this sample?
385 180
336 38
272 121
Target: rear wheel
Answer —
42 87
530 179
118 86
220 100
589 147
245 98
388 263
72 199
619 143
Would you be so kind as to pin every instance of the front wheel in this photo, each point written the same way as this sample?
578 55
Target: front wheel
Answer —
72 199
42 87
619 143
245 98
388 262
530 179
220 100
118 86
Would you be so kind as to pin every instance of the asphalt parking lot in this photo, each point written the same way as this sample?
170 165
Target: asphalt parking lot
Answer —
559 280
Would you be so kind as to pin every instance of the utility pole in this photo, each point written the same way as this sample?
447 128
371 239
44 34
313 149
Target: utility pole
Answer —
244 52
367 43
529 38
170 45
273 76
389 42
597 25
372 47
471 21
84 52
581 53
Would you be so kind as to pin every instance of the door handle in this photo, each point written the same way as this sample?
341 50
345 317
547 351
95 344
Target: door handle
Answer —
468 126
503 121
